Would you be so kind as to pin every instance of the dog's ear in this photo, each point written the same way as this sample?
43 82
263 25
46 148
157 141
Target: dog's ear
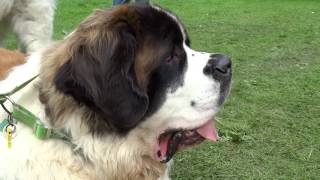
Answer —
100 75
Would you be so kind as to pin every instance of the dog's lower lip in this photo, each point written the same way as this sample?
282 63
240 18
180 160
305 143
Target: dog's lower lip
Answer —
174 140
173 145
180 140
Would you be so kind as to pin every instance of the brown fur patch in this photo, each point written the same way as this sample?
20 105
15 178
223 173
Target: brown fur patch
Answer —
146 61
8 60
101 27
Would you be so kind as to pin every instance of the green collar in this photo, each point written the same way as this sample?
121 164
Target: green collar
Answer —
26 117
40 130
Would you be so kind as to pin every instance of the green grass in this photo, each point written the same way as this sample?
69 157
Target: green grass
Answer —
270 125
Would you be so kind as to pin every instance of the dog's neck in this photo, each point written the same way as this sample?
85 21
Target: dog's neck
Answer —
119 158
113 156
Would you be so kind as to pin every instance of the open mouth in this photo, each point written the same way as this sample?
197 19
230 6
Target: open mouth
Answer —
174 140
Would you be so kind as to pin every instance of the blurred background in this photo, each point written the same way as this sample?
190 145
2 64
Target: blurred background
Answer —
270 126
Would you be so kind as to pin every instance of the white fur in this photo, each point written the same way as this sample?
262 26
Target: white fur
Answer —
31 21
30 69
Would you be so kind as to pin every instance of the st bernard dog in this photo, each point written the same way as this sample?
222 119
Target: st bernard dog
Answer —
30 20
127 88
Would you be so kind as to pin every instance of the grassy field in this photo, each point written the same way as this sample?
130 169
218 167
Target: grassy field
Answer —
270 126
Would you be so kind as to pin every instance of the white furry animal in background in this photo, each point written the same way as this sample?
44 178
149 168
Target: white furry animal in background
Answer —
30 20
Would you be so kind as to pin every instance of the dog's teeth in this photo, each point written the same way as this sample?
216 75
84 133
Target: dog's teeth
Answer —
189 133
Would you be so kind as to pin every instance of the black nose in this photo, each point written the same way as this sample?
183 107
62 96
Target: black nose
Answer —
219 65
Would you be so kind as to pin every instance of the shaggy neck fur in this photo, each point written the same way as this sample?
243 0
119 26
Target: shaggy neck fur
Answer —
112 156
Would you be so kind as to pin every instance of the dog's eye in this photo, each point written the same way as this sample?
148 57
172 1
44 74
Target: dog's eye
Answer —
171 58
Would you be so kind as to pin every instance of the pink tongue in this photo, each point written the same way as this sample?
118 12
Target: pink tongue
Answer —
163 146
208 131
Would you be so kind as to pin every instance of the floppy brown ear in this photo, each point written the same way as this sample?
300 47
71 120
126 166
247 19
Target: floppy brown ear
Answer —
100 75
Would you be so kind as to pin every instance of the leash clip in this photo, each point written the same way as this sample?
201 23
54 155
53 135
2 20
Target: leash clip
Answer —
10 128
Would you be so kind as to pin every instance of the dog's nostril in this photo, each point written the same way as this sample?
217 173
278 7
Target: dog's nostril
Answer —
218 63
223 63
222 69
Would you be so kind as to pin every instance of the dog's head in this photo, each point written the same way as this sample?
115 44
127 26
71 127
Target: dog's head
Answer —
132 68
